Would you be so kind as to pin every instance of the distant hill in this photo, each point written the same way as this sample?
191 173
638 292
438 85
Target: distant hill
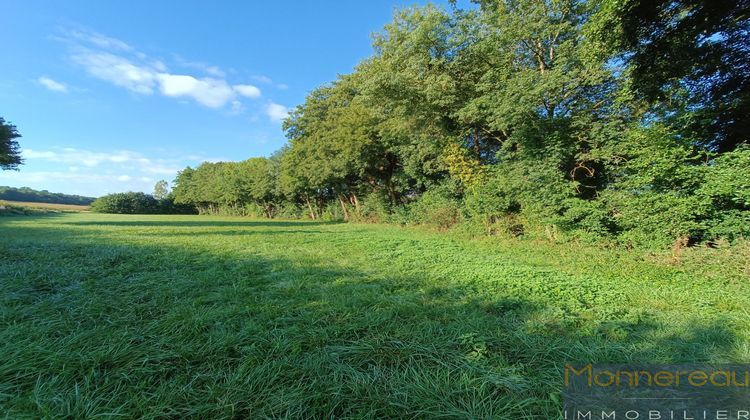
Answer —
44 196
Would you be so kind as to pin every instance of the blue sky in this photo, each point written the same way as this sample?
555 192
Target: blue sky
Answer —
114 96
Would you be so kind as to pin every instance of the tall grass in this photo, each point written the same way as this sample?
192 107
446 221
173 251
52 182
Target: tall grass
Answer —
191 316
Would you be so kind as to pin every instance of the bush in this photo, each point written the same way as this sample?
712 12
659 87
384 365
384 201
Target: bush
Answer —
656 219
375 208
727 191
168 206
517 197
439 207
286 210
332 212
138 203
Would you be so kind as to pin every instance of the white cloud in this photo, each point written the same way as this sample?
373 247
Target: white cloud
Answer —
213 93
93 173
214 71
117 70
208 69
268 81
52 84
262 79
91 159
84 157
248 91
126 158
159 65
97 39
276 112
237 107
118 63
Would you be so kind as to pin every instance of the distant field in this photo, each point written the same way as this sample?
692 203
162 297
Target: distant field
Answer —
48 206
177 316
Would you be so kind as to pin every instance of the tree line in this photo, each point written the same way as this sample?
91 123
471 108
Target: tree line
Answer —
43 196
619 119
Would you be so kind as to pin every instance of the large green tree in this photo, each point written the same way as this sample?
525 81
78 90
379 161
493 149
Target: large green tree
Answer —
10 153
689 58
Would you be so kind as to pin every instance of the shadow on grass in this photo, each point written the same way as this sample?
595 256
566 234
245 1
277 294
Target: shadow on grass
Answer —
94 327
245 232
206 223
6 215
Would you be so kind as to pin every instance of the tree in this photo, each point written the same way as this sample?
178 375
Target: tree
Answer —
689 58
10 155
161 190
183 190
126 203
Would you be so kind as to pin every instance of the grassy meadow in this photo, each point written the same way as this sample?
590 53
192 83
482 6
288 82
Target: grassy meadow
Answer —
192 316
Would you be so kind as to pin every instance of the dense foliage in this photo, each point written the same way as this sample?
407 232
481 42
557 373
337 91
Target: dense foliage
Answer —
10 153
529 117
44 196
138 203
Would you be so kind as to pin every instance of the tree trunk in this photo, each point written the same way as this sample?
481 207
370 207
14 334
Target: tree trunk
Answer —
309 206
343 207
391 192
356 202
477 145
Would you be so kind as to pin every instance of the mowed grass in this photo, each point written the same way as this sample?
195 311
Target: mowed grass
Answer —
189 316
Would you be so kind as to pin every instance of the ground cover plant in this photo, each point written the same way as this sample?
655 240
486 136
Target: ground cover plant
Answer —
217 317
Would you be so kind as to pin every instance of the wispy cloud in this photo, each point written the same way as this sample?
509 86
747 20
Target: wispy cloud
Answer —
206 68
96 172
128 159
276 112
91 37
118 63
268 81
52 85
262 79
117 70
73 182
248 91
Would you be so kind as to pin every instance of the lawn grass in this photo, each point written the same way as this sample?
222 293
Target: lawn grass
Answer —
191 316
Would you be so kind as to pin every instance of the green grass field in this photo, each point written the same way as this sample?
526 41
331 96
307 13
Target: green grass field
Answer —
178 316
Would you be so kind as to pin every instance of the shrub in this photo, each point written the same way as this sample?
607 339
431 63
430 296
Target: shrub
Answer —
332 212
727 191
138 203
168 206
375 208
286 210
517 196
656 219
439 207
